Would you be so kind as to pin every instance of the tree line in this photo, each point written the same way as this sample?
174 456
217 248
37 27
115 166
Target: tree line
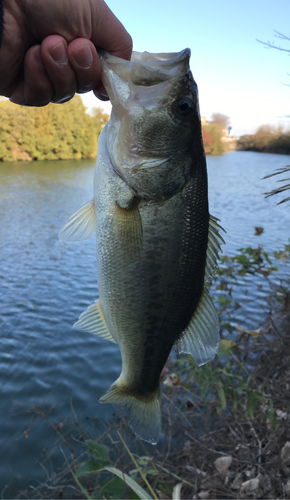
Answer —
67 131
267 139
53 132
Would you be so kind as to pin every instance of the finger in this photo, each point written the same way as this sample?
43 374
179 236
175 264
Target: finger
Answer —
85 61
35 88
108 32
100 93
61 74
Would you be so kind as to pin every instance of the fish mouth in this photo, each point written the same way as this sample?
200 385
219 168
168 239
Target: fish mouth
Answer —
145 69
140 91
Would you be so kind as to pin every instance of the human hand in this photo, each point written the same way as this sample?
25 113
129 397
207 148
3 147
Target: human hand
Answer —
48 50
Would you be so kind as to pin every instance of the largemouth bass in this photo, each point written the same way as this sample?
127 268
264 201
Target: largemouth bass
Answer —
157 245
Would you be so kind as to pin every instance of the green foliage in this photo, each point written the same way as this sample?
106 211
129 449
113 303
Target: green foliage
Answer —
116 487
124 485
249 261
225 382
267 139
253 261
53 132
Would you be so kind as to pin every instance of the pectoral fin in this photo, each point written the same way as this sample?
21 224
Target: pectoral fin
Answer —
93 321
81 225
129 224
201 337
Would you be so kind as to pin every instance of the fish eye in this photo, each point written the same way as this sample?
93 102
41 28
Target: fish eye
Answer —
183 106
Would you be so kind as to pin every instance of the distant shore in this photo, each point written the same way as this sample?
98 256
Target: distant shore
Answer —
267 139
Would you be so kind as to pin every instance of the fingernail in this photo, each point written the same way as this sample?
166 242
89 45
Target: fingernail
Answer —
101 95
84 57
58 54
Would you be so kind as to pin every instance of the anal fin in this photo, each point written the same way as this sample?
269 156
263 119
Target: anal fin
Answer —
93 321
81 225
201 337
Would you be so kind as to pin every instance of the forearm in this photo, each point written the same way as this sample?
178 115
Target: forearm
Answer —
1 20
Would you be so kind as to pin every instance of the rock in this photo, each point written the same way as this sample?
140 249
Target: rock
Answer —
281 415
250 486
285 452
222 464
203 494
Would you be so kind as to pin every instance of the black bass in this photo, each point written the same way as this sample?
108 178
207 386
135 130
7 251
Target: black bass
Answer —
157 245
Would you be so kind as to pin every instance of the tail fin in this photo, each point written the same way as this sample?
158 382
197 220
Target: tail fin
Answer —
143 413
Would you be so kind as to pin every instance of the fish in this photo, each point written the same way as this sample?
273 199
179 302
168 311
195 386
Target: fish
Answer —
156 243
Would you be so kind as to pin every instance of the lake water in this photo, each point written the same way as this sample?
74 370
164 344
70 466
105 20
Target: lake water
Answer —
45 285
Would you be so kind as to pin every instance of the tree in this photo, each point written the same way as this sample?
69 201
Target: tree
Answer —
220 119
53 132
99 120
213 138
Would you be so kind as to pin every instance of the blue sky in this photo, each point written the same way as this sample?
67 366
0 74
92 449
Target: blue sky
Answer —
235 74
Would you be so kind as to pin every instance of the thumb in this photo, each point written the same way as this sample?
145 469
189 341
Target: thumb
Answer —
108 32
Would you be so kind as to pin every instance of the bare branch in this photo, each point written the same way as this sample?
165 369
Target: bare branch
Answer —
280 35
271 45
